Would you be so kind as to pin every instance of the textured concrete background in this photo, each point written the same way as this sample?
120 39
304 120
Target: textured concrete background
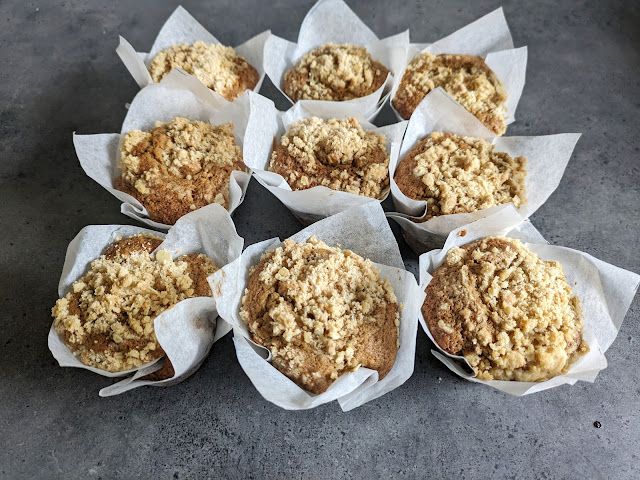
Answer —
60 73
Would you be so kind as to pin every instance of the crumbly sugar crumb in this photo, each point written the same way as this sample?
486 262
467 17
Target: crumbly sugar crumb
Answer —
334 72
215 65
107 317
456 174
467 78
338 154
321 311
179 166
511 315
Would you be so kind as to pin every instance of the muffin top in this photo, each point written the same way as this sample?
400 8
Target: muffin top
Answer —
107 317
509 313
456 174
215 65
337 154
321 311
334 72
178 167
467 78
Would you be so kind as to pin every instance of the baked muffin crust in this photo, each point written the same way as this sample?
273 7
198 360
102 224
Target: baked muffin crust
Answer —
337 154
456 174
467 78
179 167
334 72
107 317
215 65
321 311
510 314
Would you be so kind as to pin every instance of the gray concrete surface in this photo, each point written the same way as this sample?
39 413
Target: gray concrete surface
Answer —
60 73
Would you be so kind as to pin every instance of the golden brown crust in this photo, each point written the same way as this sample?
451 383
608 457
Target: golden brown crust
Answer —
334 72
215 65
107 317
460 175
467 78
322 312
510 314
179 167
337 154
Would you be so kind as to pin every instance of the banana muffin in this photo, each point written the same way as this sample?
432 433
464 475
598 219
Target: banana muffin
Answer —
337 154
467 78
107 317
179 167
334 72
510 314
215 65
321 311
456 174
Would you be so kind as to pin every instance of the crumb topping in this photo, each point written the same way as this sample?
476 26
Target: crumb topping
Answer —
467 78
511 315
215 65
179 166
456 174
321 311
337 154
107 317
334 72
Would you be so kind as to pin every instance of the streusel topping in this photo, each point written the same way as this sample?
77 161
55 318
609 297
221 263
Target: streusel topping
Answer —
337 154
107 317
334 72
215 65
466 78
460 174
179 166
511 315
321 311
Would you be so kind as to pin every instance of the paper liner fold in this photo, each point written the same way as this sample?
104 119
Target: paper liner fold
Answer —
187 330
365 231
605 292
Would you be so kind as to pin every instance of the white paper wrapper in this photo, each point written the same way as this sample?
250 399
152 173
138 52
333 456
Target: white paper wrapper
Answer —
333 21
547 157
188 329
181 27
487 37
315 203
178 95
364 230
605 291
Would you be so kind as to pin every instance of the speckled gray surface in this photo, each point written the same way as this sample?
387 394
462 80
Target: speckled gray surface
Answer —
60 73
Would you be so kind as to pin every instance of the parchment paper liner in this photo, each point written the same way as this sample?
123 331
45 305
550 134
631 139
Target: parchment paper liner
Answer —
181 27
364 230
188 329
178 95
487 37
605 291
547 157
333 21
319 202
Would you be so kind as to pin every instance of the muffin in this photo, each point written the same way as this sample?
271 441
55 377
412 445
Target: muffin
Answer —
215 65
337 154
460 175
107 317
321 311
467 78
511 315
334 72
178 167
